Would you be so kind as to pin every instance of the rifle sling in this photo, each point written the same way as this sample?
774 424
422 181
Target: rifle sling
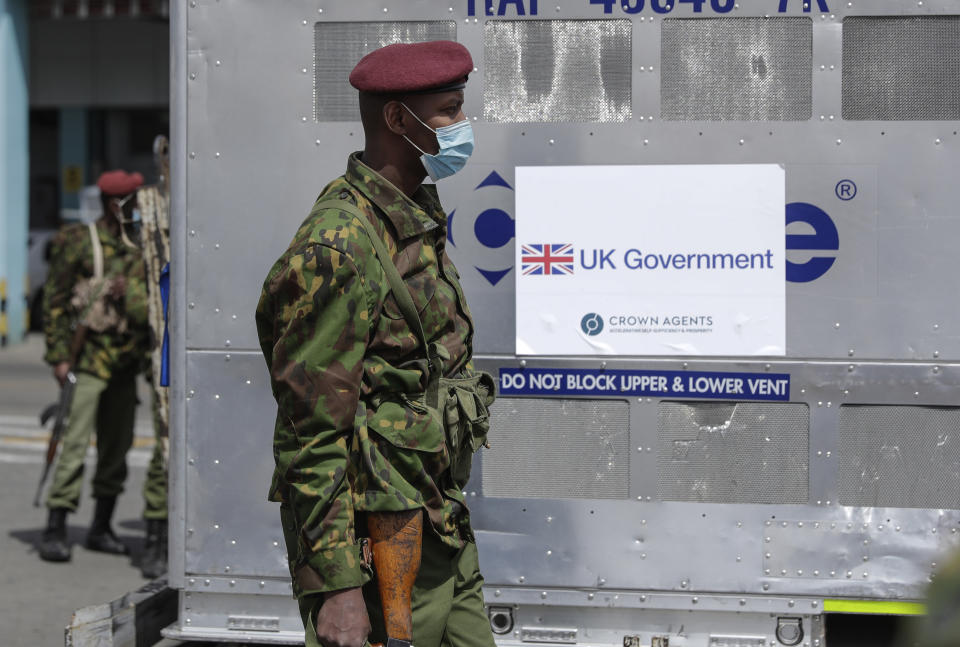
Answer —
401 293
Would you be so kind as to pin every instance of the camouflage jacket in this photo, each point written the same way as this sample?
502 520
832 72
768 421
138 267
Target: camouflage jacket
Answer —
351 433
108 353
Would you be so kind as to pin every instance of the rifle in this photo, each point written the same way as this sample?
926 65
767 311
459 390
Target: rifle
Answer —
61 409
395 539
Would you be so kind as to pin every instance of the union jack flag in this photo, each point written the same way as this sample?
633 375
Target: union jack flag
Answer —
546 259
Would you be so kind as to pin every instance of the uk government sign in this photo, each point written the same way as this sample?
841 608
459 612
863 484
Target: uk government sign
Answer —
650 260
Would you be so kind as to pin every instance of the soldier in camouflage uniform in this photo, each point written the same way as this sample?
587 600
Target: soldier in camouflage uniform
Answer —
96 279
380 409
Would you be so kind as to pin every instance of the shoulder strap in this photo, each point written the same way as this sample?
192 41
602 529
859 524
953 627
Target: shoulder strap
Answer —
97 250
400 291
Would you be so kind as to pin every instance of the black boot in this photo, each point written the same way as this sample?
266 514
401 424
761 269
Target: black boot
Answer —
101 537
154 563
54 546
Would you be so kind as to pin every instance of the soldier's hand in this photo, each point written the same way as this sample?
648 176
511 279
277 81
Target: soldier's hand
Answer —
60 370
342 620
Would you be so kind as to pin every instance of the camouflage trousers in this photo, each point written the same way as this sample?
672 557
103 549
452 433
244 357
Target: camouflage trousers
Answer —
108 409
448 608
155 485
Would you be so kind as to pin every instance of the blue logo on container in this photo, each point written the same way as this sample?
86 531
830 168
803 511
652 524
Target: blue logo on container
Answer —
591 324
824 237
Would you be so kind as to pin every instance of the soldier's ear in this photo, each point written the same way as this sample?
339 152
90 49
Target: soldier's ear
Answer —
394 115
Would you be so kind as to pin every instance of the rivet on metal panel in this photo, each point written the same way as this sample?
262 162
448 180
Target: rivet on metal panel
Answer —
303 119
916 394
791 603
646 142
193 3
643 598
823 67
304 23
766 367
766 540
206 582
684 584
191 393
590 596
833 67
839 141
642 69
233 542
192 581
189 531
650 69
767 522
216 526
521 579
933 531
643 555
226 357
640 498
802 391
936 369
249 382
558 9
602 581
188 621
850 368
936 326
933 565
833 573
262 584
766 586
819 502
743 602
216 461
783 524
819 453
216 246
551 142
828 501
816 573
829 404
836 325
218 63
823 117
320 10
783 571
767 555
830 117
850 352
549 552
303 70
685 366
276 544
819 404
936 354
742 142
475 21
227 343
193 76
543 595
216 396
694 599
233 582
523 363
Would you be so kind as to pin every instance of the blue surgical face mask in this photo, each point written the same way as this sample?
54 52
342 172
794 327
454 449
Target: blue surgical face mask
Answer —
456 145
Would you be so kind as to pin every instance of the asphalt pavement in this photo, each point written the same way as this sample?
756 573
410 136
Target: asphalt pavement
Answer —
37 598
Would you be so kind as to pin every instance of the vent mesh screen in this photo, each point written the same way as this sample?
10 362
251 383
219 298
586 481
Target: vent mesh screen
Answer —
736 69
338 46
900 456
557 70
901 68
719 452
558 449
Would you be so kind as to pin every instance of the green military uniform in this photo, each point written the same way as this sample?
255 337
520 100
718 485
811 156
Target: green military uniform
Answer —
106 367
356 430
940 627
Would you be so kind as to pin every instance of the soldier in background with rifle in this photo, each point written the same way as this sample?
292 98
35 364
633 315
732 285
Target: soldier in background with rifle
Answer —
368 339
96 284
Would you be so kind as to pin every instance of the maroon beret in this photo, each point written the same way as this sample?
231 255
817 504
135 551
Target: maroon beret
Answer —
401 68
119 183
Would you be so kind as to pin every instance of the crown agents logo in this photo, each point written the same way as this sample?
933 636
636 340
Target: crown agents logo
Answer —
591 324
